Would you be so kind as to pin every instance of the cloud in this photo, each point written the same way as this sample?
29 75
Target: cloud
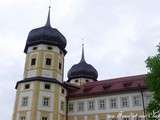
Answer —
118 36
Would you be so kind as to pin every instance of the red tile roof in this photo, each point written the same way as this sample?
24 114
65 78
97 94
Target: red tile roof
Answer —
123 84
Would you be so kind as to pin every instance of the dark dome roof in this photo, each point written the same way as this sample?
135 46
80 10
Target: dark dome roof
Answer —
82 70
46 35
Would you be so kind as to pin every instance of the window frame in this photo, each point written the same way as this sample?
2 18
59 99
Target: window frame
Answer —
102 104
46 101
24 101
91 105
27 86
48 61
124 101
44 118
71 107
80 107
60 66
33 61
136 100
22 118
47 85
113 103
62 106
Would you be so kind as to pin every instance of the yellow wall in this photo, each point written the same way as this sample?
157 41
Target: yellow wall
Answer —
40 56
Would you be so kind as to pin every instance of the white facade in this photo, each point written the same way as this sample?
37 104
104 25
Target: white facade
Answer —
108 108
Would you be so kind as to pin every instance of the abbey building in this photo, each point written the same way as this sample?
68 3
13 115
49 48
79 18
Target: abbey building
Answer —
44 95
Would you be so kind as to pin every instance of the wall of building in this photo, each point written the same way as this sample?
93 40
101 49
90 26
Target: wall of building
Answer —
102 114
41 53
34 110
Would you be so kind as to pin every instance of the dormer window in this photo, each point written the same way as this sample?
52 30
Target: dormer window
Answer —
62 91
87 80
48 61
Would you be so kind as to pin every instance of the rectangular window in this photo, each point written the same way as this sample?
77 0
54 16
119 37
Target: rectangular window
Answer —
24 101
47 86
45 101
71 107
147 99
44 118
136 100
62 105
62 91
91 105
48 61
81 106
125 118
33 61
101 104
23 118
26 86
124 101
113 103
60 66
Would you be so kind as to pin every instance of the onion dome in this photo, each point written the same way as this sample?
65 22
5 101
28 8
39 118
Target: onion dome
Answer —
82 70
46 35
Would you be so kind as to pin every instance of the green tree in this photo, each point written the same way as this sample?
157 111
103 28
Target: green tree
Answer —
153 83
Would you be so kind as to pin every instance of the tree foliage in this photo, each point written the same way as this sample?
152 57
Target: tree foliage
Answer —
153 82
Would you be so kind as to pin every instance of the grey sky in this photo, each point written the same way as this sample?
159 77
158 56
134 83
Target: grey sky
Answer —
118 34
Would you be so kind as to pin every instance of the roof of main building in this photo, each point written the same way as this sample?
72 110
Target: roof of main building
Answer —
110 86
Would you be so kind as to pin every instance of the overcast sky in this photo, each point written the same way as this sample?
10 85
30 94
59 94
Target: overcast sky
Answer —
118 35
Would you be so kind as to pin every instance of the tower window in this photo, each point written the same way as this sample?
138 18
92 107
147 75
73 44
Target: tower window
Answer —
34 48
48 61
33 61
60 52
50 48
24 101
47 86
62 105
76 81
44 118
60 66
27 86
62 91
22 118
45 101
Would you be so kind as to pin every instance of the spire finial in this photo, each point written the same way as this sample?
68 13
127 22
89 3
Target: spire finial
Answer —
82 59
48 19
